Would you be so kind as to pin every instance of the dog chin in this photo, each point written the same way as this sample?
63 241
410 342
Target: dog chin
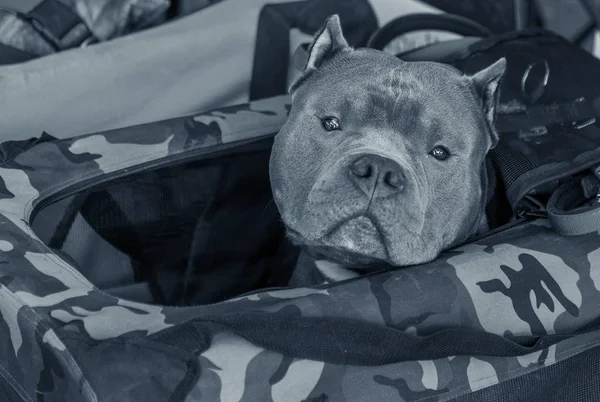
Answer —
355 243
359 236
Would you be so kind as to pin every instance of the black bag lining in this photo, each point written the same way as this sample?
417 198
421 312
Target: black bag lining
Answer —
197 232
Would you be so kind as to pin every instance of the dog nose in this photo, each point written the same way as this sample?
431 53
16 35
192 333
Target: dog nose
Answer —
377 173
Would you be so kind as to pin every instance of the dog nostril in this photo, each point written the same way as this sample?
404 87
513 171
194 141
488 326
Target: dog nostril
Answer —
363 170
394 179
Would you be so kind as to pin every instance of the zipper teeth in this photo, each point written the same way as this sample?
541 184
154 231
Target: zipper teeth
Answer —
259 291
499 229
155 164
127 171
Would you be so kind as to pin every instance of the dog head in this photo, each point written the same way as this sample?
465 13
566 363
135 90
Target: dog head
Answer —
382 160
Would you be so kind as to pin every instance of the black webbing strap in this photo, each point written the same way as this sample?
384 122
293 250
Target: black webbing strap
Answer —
578 111
55 21
58 24
570 212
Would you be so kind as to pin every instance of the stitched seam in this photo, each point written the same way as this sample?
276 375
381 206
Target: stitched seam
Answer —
566 354
14 384
128 163
28 311
150 345
49 254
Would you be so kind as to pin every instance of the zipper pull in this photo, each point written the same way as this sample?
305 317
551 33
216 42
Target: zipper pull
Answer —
531 214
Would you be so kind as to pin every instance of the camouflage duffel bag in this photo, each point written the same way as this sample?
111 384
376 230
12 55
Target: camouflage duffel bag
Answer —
148 264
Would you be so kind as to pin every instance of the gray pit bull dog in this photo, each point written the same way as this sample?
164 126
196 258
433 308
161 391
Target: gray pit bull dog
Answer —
382 162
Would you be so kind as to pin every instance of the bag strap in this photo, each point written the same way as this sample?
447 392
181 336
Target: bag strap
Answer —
58 24
565 212
576 113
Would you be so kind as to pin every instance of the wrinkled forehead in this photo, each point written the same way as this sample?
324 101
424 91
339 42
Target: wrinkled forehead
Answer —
381 88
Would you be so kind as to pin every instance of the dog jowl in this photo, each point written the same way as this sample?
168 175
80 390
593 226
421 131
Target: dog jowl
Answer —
383 160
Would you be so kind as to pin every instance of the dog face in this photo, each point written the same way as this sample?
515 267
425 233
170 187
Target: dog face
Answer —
382 160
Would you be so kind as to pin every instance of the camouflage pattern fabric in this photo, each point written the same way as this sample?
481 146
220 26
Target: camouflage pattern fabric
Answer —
69 341
105 19
108 19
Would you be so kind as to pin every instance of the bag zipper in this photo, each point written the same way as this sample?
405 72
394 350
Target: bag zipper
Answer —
522 218
98 181
261 290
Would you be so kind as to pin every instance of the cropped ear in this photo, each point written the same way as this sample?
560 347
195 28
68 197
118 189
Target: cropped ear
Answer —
327 42
487 84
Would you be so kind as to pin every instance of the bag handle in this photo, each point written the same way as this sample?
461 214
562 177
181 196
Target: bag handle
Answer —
426 21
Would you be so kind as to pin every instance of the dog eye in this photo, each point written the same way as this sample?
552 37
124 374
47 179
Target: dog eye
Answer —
331 123
440 153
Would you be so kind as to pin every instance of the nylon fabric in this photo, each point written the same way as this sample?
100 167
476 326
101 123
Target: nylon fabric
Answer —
8 393
575 379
